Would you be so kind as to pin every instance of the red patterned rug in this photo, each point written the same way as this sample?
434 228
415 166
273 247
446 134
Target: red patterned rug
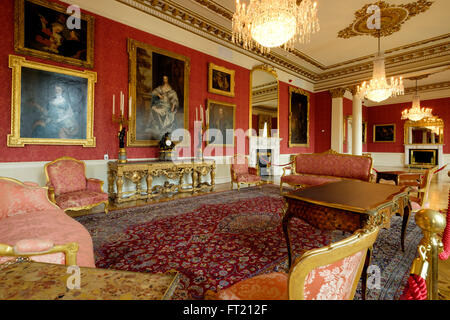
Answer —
216 240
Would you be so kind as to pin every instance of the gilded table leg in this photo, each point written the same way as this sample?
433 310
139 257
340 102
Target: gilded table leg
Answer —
119 185
364 273
213 179
149 185
111 179
194 180
406 215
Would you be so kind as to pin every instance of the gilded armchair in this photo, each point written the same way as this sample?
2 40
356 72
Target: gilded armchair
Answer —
70 189
241 173
308 277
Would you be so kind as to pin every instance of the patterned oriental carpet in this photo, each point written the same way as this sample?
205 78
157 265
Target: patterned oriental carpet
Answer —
215 240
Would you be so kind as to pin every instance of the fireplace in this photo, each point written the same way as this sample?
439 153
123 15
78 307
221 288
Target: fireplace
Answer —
264 157
423 157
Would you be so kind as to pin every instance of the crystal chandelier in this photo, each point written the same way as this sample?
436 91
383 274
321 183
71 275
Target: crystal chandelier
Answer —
378 89
416 113
266 24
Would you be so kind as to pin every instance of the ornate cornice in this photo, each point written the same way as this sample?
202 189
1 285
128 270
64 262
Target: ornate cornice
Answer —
181 17
429 87
337 93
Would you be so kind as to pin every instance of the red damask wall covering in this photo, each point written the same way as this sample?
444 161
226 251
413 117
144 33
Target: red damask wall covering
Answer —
111 65
389 114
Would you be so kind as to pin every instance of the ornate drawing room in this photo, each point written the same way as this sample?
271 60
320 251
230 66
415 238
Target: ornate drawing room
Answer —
205 150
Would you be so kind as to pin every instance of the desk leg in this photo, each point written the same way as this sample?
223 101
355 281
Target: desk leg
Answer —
287 217
364 273
406 215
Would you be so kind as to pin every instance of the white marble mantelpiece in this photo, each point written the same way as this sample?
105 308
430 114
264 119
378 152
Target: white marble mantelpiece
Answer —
439 147
273 144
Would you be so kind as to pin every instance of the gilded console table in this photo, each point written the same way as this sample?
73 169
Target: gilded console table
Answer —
136 171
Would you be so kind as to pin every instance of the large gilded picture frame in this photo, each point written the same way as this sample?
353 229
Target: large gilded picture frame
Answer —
299 108
51 105
222 117
221 80
159 87
384 132
42 30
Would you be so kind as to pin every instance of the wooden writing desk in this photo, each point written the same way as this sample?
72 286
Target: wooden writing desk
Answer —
44 281
348 206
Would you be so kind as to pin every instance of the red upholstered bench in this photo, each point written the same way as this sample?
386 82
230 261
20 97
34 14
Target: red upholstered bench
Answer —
315 169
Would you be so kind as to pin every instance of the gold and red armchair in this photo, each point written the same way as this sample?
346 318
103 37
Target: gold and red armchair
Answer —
70 189
241 173
307 279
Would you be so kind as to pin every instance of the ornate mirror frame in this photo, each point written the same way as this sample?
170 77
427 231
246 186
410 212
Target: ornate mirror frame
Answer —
429 122
270 70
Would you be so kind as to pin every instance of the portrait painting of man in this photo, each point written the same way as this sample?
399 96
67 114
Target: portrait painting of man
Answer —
49 33
298 117
221 124
160 88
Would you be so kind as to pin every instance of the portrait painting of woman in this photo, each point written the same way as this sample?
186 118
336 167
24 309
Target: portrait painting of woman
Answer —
159 84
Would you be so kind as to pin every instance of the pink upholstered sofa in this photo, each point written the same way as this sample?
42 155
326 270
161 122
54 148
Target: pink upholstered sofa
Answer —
31 224
314 169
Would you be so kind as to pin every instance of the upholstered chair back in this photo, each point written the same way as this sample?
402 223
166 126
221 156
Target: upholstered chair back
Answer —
20 198
239 164
66 175
332 272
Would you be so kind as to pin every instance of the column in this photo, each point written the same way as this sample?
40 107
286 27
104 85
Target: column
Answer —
357 123
337 119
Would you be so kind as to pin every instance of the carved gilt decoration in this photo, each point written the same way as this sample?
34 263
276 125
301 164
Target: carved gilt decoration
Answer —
392 18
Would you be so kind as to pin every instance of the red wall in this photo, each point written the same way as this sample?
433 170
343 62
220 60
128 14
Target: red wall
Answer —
392 114
322 121
111 65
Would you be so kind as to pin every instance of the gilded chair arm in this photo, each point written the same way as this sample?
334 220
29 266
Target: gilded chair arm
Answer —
70 251
51 192
94 185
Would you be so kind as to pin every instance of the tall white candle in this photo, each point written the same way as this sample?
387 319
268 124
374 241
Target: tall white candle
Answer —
196 114
201 113
122 102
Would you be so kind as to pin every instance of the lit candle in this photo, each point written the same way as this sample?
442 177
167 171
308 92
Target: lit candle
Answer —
114 103
201 113
122 102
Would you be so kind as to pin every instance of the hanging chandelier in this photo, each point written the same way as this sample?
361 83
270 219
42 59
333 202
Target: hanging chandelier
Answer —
266 24
416 113
378 89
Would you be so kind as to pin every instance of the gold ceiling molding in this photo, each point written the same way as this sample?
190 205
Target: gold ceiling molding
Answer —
392 18
193 22
429 87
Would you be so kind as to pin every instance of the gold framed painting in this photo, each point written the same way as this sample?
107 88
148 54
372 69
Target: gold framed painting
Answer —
364 132
221 80
159 87
299 106
220 124
51 105
50 31
384 133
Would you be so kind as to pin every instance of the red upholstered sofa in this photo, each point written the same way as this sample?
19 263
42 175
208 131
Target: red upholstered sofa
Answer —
32 226
314 169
